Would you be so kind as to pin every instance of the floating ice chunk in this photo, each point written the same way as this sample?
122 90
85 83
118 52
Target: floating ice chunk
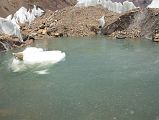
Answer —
43 57
36 58
32 50
154 4
33 55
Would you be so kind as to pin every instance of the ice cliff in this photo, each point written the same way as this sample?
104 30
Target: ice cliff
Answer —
154 4
10 24
113 6
7 27
23 15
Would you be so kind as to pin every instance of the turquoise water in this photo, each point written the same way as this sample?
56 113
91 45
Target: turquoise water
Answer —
100 79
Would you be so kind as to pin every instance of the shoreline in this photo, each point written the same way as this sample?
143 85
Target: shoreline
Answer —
84 21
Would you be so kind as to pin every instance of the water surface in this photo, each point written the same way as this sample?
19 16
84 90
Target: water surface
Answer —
100 79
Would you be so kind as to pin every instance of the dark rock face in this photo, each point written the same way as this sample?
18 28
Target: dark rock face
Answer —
135 23
122 23
8 42
155 37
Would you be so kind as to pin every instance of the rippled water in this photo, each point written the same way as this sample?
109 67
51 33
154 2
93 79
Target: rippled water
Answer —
100 79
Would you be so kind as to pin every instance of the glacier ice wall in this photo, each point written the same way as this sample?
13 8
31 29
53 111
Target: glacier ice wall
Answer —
113 6
154 4
10 24
7 27
23 15
87 2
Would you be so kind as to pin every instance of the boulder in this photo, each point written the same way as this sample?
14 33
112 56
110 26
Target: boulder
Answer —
155 37
94 29
19 55
40 31
57 34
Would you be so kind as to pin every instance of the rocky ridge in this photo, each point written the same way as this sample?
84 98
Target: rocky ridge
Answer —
134 24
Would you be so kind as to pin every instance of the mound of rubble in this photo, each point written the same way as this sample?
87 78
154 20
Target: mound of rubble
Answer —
70 21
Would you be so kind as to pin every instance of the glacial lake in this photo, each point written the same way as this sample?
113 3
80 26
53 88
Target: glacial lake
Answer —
100 79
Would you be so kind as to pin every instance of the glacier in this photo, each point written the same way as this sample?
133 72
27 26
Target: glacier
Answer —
154 4
112 6
23 15
7 27
10 24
